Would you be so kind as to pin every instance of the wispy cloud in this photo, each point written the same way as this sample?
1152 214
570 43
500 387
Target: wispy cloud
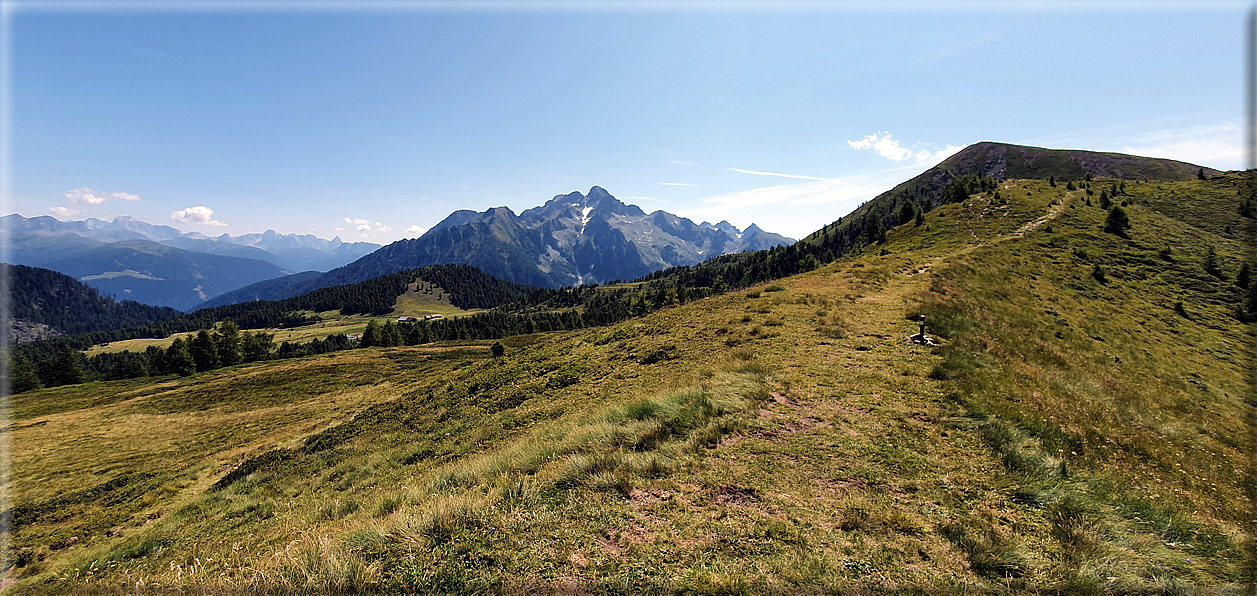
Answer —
1218 146
62 211
199 214
87 196
1215 145
416 230
779 175
811 193
795 210
940 54
676 184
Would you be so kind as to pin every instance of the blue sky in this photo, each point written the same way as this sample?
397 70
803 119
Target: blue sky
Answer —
374 124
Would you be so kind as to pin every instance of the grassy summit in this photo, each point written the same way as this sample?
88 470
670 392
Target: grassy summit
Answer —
1081 428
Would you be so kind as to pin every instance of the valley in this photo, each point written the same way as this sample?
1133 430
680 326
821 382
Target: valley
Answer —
414 302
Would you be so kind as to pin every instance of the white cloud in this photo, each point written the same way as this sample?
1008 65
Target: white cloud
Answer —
883 145
360 224
948 151
887 147
416 230
196 215
87 196
794 176
62 211
379 227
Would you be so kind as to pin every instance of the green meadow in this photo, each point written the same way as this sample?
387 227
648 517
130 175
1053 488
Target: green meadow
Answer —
1079 428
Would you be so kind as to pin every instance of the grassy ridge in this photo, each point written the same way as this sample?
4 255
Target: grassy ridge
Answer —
784 438
1115 402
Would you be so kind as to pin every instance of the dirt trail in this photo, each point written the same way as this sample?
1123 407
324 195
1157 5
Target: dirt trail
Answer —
1052 213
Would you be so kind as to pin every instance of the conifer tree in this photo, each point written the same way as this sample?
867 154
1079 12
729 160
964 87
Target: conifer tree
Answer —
907 212
370 335
390 335
64 369
227 339
257 346
1117 222
178 359
719 286
136 366
22 375
639 306
1211 264
204 353
1248 307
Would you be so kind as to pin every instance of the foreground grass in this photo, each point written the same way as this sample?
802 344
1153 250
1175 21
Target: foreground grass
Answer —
783 439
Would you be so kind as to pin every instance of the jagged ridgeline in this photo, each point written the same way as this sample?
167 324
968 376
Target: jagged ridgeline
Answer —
573 239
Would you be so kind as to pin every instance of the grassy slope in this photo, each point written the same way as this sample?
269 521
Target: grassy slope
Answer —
758 441
1003 160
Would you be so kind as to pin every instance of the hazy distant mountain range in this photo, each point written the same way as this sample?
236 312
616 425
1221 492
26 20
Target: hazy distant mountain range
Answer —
572 239
160 265
31 239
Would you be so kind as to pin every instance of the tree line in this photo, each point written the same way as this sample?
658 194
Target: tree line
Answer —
224 345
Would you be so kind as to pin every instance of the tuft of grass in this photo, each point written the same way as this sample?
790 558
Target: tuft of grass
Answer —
388 505
990 553
439 519
338 509
317 565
